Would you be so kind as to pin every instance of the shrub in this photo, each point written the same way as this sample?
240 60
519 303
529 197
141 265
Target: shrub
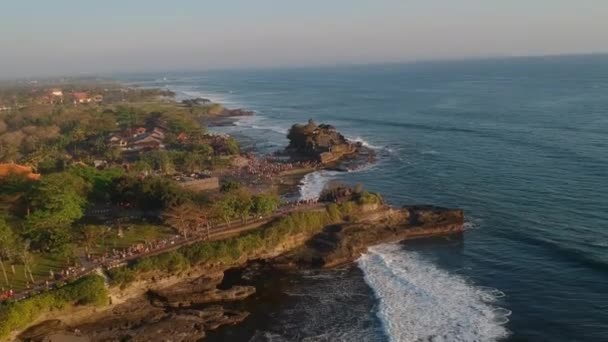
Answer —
122 276
230 250
16 315
369 198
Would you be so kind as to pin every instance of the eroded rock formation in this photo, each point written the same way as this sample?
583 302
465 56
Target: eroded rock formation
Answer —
322 143
184 312
342 243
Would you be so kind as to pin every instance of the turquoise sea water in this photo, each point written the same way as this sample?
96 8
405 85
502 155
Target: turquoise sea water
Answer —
520 144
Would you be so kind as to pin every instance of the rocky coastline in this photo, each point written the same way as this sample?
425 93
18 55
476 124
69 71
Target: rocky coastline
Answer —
186 307
344 243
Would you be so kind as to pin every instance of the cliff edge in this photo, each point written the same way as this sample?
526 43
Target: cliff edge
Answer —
342 243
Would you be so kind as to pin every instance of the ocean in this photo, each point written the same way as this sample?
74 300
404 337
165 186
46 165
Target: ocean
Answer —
521 144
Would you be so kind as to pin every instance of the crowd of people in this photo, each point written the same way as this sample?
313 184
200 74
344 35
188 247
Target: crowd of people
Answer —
268 167
117 257
6 294
54 278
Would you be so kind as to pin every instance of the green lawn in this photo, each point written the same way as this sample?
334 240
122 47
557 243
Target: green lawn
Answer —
41 266
43 263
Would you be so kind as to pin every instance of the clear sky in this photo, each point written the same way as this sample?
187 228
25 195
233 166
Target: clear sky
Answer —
74 37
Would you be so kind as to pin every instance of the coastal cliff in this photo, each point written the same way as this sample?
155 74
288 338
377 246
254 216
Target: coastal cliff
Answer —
321 143
342 243
185 306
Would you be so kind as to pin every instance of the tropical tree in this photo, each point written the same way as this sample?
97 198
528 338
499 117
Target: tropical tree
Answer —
242 204
185 218
62 193
264 204
57 201
224 209
104 233
91 235
27 259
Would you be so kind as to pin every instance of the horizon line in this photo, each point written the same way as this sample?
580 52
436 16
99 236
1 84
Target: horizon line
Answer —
113 75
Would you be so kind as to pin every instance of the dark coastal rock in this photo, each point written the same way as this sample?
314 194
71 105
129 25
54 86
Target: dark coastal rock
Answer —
179 313
196 102
342 243
321 143
141 321
39 331
186 299
236 112
199 291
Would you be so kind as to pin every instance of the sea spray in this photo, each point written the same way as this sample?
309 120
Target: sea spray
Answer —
364 142
420 302
313 183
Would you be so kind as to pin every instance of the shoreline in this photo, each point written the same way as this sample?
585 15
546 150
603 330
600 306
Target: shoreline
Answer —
138 291
88 320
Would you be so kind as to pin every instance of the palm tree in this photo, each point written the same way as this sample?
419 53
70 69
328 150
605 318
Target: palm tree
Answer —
5 254
27 260
104 233
90 236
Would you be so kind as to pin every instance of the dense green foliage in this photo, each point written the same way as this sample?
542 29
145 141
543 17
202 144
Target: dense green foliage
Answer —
240 204
56 202
100 181
149 193
89 290
230 250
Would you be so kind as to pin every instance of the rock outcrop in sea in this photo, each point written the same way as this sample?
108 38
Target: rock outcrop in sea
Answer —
321 143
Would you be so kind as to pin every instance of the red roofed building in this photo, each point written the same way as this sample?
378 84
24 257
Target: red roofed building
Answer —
16 169
81 97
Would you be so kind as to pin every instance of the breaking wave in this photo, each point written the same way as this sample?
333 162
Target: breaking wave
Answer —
365 143
472 222
313 183
187 93
257 122
420 302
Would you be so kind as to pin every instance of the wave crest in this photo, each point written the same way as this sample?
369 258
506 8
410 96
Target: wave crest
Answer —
420 302
313 183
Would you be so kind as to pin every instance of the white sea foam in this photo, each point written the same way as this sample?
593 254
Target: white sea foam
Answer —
188 93
313 183
420 302
247 121
261 335
277 129
259 122
364 143
472 222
